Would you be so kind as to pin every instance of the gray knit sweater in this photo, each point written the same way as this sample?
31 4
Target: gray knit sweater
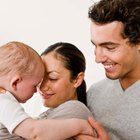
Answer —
117 110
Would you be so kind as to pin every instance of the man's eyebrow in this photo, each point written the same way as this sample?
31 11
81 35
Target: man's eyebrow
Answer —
108 43
105 43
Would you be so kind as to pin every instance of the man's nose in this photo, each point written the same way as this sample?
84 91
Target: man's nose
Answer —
100 55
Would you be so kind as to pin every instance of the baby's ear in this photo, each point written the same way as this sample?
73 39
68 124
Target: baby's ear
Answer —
15 81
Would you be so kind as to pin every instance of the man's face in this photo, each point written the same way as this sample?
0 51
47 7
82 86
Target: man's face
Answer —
119 58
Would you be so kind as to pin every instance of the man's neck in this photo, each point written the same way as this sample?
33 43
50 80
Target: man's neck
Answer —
126 83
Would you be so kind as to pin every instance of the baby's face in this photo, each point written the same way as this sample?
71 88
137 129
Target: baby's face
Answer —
28 84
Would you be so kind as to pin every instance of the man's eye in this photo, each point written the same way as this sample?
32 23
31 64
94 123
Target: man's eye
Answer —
110 48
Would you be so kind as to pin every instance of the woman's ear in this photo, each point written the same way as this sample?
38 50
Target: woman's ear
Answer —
79 79
139 48
15 81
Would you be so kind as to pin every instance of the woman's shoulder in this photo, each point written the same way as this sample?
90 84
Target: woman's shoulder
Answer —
70 109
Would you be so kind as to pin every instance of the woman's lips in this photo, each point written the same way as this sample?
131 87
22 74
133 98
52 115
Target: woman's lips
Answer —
46 95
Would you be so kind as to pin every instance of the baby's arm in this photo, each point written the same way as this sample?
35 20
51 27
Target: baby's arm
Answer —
52 129
67 110
85 137
102 134
13 117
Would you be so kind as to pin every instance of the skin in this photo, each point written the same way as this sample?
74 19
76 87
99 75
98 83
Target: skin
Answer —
28 84
102 135
42 129
19 83
112 51
57 86
119 58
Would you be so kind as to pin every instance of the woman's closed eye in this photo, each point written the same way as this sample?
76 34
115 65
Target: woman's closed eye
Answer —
52 79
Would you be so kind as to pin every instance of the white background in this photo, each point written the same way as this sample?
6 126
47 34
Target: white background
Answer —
40 23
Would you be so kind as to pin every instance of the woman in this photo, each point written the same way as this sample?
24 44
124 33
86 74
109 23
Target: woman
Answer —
63 89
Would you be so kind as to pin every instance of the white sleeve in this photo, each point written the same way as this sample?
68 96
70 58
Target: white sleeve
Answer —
69 109
11 112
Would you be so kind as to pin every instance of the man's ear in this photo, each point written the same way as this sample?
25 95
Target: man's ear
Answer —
79 79
15 81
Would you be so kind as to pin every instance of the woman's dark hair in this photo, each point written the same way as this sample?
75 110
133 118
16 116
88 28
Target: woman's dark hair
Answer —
74 61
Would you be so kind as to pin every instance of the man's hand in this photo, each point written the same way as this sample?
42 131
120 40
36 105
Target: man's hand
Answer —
101 133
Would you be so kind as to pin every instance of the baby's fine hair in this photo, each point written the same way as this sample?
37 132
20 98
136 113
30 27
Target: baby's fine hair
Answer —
17 57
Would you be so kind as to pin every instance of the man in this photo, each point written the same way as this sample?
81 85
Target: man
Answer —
115 101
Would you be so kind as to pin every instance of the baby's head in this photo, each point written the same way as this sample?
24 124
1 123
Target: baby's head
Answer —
21 70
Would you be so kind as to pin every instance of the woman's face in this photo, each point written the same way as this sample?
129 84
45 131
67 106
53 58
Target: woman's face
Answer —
57 86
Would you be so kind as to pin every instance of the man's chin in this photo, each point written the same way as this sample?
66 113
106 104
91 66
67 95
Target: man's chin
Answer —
111 77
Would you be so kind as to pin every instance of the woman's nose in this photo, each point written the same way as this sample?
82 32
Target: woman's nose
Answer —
44 86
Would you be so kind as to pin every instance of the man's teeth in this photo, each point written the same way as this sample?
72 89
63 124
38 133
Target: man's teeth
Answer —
108 66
